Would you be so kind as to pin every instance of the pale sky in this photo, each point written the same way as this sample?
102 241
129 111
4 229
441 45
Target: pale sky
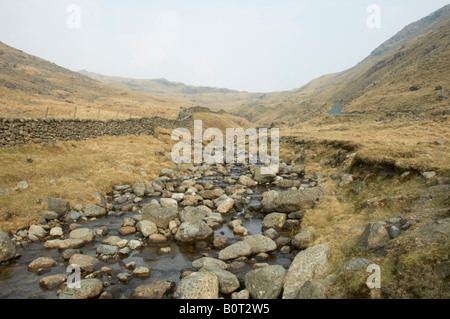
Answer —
256 46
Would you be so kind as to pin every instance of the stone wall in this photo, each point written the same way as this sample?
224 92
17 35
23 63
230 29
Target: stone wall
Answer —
19 131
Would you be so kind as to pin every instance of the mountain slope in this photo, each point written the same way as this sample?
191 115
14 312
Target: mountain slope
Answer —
399 76
28 85
211 97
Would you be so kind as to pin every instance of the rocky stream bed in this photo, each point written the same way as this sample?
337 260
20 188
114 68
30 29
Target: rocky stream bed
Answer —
196 232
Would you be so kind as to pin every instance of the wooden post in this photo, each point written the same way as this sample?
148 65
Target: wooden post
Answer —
75 113
98 114
46 112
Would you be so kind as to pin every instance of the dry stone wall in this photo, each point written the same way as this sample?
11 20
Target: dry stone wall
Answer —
19 131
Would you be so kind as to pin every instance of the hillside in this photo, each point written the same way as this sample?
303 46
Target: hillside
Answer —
398 78
28 85
211 97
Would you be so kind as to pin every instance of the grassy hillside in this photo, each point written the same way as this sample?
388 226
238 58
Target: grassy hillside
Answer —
402 75
211 97
28 85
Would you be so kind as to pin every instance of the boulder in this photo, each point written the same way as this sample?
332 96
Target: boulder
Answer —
262 178
198 285
291 200
192 231
247 181
147 228
41 263
260 243
85 234
266 282
374 237
58 205
311 263
139 188
228 282
7 247
313 289
93 210
238 249
89 288
209 262
304 238
192 214
156 289
274 220
161 216
85 262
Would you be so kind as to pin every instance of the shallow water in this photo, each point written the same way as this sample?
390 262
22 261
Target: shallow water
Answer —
17 282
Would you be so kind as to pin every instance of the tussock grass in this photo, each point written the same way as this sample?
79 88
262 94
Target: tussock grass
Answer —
79 168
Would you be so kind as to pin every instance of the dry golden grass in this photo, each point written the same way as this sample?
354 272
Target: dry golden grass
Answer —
405 145
79 168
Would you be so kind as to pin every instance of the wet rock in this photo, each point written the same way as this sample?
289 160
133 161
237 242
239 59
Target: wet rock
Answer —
304 238
156 289
311 263
92 210
374 237
85 234
126 230
228 282
115 241
262 178
224 204
147 228
220 242
7 247
134 244
192 214
247 181
85 262
106 250
89 288
198 285
260 243
209 262
235 250
71 243
141 272
212 193
265 282
190 232
275 221
161 216
52 282
42 263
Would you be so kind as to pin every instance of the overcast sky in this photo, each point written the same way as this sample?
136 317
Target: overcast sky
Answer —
245 45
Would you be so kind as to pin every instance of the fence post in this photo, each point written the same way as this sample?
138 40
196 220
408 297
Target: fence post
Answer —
46 112
98 114
75 113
